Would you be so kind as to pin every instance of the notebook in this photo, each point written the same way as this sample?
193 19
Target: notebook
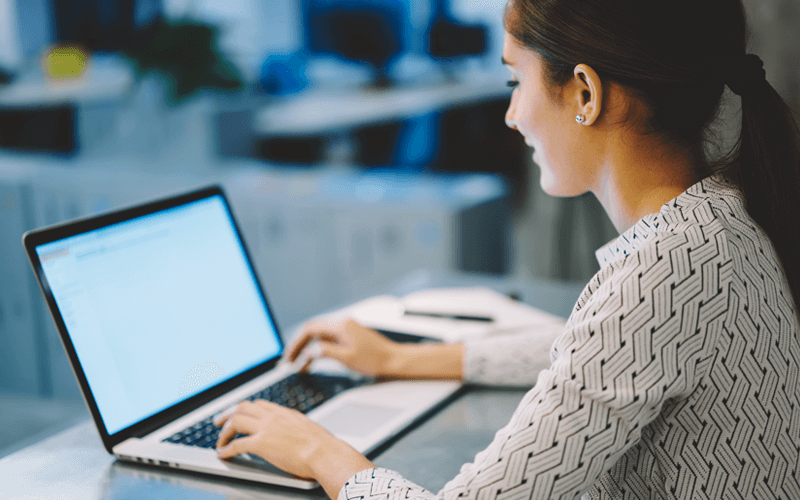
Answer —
165 325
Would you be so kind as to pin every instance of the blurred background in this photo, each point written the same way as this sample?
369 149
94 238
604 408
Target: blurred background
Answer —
359 141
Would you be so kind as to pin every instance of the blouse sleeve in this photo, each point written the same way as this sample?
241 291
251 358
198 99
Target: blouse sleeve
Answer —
630 345
513 360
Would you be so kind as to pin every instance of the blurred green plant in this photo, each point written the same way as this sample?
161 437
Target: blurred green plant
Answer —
187 54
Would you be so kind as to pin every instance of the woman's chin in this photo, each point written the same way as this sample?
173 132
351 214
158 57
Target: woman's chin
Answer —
550 189
548 182
554 188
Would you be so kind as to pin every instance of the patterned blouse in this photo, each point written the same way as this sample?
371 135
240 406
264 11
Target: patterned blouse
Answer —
676 375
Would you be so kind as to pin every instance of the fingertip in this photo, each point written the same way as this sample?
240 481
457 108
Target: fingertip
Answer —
224 442
295 347
224 415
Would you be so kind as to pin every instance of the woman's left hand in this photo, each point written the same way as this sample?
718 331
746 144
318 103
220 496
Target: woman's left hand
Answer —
290 441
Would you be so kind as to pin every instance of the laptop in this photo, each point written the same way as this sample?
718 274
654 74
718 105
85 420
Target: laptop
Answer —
166 325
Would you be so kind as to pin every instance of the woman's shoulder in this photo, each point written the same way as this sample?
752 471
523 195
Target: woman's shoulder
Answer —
694 248
666 248
712 209
715 210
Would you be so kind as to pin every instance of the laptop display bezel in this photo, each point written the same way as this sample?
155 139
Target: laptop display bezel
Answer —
49 234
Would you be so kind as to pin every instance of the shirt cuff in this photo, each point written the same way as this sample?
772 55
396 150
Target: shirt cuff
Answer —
373 483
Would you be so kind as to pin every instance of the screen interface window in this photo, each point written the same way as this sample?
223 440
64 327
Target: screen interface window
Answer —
159 308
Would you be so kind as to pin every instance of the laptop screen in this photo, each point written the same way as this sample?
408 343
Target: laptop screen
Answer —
159 308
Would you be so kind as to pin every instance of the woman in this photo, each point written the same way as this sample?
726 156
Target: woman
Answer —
676 374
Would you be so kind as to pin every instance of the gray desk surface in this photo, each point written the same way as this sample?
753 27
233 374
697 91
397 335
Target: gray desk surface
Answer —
74 464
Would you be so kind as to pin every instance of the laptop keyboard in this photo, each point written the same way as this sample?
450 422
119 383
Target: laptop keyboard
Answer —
300 391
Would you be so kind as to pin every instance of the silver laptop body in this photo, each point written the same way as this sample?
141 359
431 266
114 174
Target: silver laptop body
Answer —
165 324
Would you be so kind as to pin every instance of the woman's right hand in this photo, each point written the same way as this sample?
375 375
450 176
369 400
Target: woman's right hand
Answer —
357 347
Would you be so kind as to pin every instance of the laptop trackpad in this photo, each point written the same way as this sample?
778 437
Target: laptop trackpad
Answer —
352 418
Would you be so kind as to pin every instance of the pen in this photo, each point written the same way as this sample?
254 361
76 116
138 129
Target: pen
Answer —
458 317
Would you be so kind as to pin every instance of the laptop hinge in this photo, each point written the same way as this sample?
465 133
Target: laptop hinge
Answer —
140 433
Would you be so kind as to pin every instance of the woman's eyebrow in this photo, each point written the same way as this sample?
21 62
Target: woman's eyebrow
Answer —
505 61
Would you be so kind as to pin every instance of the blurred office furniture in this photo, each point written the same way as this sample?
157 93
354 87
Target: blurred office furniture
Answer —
230 124
330 112
10 49
108 112
97 25
71 116
475 138
283 74
106 78
20 365
449 40
38 129
371 127
37 114
373 32
317 238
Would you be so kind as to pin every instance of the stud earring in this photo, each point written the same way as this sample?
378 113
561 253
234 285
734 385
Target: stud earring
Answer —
580 119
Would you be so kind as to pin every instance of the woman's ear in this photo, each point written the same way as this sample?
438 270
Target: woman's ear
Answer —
588 94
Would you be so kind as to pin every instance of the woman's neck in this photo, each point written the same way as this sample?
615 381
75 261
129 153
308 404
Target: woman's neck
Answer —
637 181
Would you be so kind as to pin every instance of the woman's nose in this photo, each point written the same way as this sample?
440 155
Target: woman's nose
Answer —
510 116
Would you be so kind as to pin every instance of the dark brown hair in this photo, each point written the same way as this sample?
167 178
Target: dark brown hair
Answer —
676 58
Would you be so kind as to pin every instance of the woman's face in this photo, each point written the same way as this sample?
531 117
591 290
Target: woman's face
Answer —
546 122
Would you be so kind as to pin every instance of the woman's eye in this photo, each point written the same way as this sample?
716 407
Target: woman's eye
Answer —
512 83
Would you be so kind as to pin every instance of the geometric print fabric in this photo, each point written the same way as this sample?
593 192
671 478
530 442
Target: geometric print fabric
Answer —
675 377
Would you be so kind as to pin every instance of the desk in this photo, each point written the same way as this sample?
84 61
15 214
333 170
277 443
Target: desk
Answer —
105 78
323 112
73 464
40 114
331 124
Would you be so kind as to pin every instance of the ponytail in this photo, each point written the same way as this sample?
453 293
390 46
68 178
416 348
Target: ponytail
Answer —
765 164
